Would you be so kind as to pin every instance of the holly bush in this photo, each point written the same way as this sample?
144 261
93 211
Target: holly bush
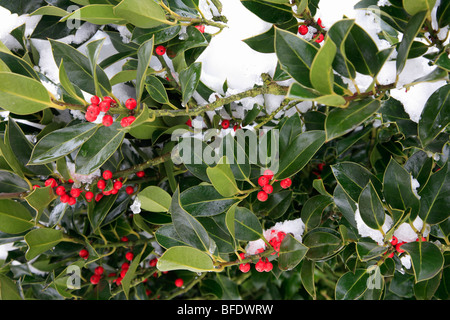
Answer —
182 192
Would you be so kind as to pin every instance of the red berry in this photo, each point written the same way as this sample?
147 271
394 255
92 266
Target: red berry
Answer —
260 266
398 245
130 104
107 174
107 120
84 253
101 184
99 270
391 255
422 239
125 266
60 191
262 196
123 273
117 185
160 50
129 190
95 279
75 192
94 110
36 186
95 100
263 180
125 122
268 189
268 266
179 282
51 182
129 256
98 197
124 239
394 240
319 22
89 195
189 123
111 100
201 28
105 105
153 262
236 127
286 183
320 38
225 124
71 201
268 173
64 198
118 281
303 29
140 174
244 267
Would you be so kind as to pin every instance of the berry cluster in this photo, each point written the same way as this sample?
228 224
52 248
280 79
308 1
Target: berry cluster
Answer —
226 124
104 105
277 238
263 265
65 197
397 245
303 30
267 187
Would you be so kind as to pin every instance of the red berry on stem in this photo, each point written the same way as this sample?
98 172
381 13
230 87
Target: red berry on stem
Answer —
201 28
84 253
268 266
101 184
129 256
262 196
130 104
60 190
320 38
95 100
269 174
398 245
189 123
268 189
303 29
36 186
89 195
153 262
51 182
123 273
117 185
64 198
125 266
71 201
225 124
129 190
140 174
286 183
105 105
124 239
160 50
95 279
107 174
107 120
98 197
394 240
99 270
179 282
260 265
319 22
75 192
93 110
244 267
263 180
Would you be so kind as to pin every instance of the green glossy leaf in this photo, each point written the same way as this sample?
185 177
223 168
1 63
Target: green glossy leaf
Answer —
204 200
322 76
352 286
416 6
234 149
425 290
435 116
426 258
246 225
295 55
307 276
41 240
371 207
435 197
145 52
8 289
49 11
185 258
156 90
267 11
342 120
162 33
323 243
14 217
291 253
98 211
369 250
353 178
40 198
142 14
299 152
93 51
78 68
131 272
312 210
188 227
12 183
300 92
18 65
222 178
189 79
412 29
154 199
67 84
275 206
99 148
397 188
443 14
22 95
61 142
168 237
338 33
100 14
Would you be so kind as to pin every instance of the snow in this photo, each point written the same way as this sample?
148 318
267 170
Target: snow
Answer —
406 233
136 206
365 231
